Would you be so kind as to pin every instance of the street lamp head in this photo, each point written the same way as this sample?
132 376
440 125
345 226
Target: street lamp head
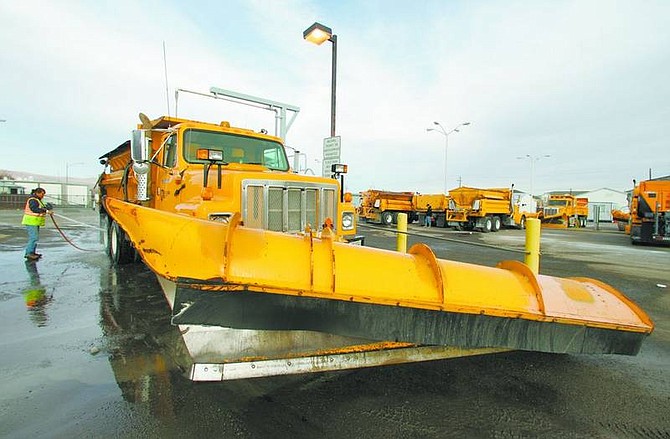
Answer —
317 33
436 123
466 123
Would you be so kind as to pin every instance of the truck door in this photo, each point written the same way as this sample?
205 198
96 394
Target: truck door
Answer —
168 180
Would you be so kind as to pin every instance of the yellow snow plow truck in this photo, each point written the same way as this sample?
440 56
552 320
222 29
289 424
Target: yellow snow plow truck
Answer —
489 209
650 212
565 210
254 262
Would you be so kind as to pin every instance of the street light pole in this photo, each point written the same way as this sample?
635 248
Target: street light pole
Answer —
533 159
333 86
317 34
446 133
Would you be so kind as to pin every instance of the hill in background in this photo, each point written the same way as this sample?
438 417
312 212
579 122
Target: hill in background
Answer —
30 176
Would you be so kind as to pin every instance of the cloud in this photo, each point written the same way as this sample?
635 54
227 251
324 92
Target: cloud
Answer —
582 81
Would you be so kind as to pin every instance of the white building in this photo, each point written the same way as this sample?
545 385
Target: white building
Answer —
606 200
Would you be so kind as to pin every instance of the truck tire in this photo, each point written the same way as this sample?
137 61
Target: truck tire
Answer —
119 249
488 225
387 218
496 224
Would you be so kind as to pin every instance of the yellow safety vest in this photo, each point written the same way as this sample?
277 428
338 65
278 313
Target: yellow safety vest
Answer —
31 218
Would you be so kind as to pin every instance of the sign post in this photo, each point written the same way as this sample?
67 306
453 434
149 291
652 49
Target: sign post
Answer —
332 147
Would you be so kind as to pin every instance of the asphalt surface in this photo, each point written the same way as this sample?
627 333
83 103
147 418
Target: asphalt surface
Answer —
88 351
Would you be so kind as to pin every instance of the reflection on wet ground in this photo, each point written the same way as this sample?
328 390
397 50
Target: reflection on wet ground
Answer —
141 343
88 351
35 295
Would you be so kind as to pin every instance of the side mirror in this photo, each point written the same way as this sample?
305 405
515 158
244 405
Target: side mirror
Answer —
139 146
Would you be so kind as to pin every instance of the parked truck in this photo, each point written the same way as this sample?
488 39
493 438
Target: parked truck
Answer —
383 207
565 210
467 208
650 212
439 204
489 209
254 262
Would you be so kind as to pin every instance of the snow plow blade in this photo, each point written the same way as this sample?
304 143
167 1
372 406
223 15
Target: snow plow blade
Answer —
232 276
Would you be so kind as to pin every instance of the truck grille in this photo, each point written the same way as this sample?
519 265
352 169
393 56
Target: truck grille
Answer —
284 206
550 211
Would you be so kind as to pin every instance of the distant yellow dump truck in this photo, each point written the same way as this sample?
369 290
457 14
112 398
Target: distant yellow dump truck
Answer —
489 209
439 204
383 207
565 210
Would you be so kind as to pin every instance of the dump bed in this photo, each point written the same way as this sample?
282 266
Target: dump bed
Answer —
437 201
465 196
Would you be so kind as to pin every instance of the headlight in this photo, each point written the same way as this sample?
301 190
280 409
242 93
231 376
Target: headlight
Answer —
347 221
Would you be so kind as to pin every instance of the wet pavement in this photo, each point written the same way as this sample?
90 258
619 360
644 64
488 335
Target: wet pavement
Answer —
88 351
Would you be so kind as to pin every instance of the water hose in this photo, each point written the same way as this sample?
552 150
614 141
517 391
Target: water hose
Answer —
66 238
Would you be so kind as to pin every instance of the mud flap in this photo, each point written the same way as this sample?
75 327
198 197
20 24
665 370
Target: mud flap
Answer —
251 310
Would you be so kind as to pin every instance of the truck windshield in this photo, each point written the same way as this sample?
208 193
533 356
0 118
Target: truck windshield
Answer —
557 202
235 148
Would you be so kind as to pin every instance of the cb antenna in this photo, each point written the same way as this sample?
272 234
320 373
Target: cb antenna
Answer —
167 94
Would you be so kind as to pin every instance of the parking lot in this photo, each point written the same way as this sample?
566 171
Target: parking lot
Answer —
98 358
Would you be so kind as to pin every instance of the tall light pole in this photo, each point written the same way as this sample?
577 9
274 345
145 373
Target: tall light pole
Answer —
533 159
317 34
440 129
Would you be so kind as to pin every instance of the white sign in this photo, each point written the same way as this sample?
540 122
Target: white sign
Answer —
332 147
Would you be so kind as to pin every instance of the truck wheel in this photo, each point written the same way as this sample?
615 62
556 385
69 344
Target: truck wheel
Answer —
119 248
496 223
522 223
387 218
488 225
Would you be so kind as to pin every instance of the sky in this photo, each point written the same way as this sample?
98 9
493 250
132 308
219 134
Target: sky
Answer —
560 95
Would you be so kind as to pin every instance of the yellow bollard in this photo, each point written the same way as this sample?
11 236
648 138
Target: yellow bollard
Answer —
532 258
402 233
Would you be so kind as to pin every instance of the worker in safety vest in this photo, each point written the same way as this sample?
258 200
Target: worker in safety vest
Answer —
34 215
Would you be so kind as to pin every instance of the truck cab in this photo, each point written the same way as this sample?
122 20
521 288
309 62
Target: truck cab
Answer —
214 171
